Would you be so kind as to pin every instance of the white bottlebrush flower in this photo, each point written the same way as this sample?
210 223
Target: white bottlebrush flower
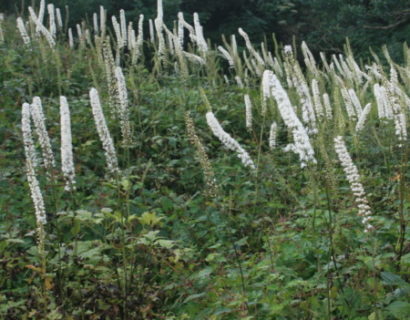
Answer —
159 26
399 116
123 105
194 58
228 141
59 18
103 20
355 101
227 56
1 28
70 38
23 32
41 28
248 111
363 117
250 47
351 112
328 107
140 38
239 82
95 23
123 24
41 13
199 34
40 126
29 151
67 162
104 133
316 99
352 175
117 31
151 31
52 20
301 141
181 29
273 132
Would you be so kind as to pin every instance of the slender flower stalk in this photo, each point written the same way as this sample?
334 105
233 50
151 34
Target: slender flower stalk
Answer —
352 175
301 143
67 162
228 141
104 133
36 196
123 23
39 120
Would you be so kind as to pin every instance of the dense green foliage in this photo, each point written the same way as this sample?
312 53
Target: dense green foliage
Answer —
324 24
280 242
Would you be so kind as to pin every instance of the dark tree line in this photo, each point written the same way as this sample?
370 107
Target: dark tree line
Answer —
323 24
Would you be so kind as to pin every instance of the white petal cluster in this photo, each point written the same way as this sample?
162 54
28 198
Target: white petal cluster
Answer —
228 141
104 133
40 126
29 151
301 142
67 162
356 186
23 32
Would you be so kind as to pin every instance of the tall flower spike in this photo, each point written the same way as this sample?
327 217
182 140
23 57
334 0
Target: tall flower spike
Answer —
23 32
199 34
52 20
301 143
104 133
67 162
123 106
273 132
248 111
363 117
352 175
228 141
34 185
209 176
40 126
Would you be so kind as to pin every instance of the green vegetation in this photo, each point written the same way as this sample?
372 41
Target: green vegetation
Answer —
268 222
